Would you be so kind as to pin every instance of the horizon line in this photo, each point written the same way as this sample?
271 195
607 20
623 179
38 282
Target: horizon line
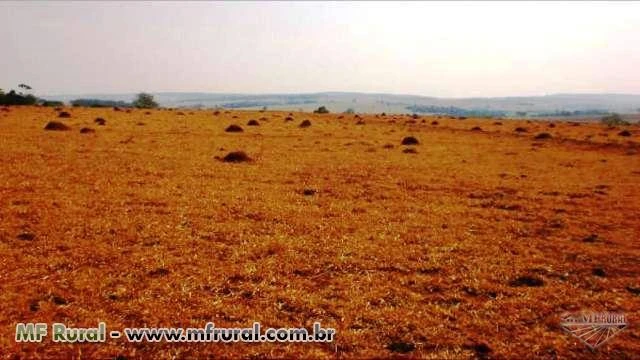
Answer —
332 92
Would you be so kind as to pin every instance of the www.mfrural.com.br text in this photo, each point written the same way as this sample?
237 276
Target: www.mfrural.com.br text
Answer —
58 332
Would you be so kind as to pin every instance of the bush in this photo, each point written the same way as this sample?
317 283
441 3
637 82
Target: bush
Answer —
321 110
145 101
613 120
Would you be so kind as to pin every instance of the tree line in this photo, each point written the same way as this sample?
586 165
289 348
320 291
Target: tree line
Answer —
23 97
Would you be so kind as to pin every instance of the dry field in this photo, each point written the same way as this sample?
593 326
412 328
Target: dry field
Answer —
470 247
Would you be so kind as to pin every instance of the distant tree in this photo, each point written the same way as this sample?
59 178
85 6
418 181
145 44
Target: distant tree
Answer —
264 108
613 120
14 98
321 110
349 111
145 101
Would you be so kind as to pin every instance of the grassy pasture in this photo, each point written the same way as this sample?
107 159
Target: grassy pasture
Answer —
471 246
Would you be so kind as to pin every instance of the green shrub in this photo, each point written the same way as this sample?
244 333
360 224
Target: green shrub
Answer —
613 120
321 110
145 101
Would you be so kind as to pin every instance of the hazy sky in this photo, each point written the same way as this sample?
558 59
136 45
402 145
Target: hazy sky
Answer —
437 49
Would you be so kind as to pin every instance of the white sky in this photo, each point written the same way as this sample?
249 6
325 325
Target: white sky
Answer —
435 49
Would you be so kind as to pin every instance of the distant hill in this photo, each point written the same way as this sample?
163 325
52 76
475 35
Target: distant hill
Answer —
549 105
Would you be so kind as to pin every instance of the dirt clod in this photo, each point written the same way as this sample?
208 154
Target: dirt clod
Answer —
233 129
56 126
543 136
236 157
309 192
305 124
26 236
159 272
530 281
401 347
598 271
410 140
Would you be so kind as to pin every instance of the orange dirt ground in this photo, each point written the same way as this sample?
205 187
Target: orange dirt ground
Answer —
140 223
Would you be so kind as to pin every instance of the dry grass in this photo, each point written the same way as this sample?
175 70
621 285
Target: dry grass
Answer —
472 247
